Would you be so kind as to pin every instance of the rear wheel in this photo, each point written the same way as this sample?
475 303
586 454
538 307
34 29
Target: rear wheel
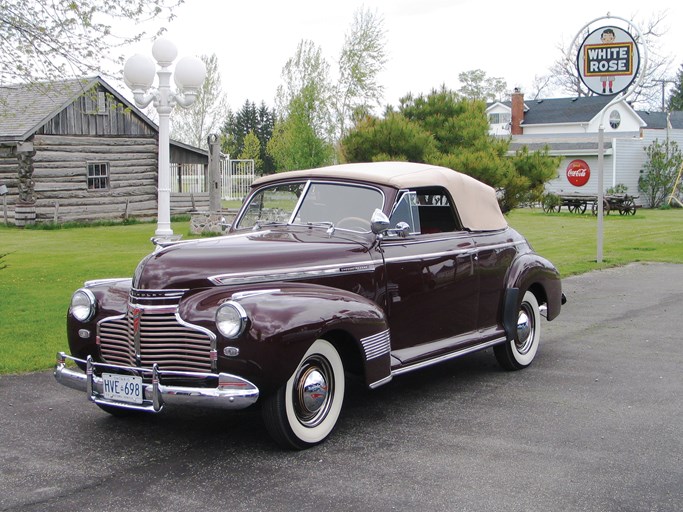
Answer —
519 352
303 412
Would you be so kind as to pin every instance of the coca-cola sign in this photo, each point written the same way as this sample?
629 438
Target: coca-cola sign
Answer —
578 173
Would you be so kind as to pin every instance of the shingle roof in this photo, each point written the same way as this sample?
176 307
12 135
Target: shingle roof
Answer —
583 109
564 110
25 107
657 120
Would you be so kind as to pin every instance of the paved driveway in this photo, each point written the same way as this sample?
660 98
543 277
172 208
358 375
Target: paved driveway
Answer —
596 424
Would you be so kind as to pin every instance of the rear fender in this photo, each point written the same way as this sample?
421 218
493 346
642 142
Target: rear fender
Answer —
284 319
531 272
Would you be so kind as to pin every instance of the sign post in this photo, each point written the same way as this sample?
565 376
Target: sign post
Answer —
608 62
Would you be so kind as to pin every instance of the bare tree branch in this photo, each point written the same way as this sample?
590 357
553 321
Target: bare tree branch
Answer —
49 39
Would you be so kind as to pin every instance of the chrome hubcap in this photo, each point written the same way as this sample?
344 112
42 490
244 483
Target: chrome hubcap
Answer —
313 390
525 330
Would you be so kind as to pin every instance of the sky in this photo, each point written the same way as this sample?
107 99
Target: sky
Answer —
428 42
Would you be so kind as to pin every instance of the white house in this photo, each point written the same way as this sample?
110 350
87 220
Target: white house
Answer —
569 127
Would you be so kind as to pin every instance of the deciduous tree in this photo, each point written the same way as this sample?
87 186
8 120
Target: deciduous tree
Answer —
295 143
476 85
58 38
362 58
252 151
659 171
308 71
193 125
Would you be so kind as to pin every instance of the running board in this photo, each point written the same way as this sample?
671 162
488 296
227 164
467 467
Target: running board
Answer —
446 357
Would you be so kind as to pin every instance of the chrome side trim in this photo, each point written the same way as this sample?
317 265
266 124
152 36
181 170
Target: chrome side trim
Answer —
253 293
381 382
442 254
446 357
97 282
501 246
230 392
286 274
473 250
376 345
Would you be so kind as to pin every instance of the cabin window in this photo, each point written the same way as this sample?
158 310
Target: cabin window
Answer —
98 176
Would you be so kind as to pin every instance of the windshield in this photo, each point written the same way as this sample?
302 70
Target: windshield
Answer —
342 205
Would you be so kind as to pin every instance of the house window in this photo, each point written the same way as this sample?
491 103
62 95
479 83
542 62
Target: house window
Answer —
614 119
98 176
500 118
101 102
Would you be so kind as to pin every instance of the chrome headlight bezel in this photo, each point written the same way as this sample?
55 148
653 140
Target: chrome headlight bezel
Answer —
231 319
83 305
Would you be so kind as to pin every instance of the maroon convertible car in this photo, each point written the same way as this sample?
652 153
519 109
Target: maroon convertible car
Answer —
371 270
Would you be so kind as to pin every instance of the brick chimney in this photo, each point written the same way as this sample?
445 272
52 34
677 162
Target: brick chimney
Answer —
517 112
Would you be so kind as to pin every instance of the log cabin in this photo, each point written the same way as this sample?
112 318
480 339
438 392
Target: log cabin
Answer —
78 150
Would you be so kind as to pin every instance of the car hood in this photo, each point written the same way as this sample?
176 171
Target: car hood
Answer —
258 256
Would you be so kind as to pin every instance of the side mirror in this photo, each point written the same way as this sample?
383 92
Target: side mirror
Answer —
379 222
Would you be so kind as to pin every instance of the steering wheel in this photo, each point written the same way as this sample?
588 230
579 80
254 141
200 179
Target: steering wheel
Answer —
354 222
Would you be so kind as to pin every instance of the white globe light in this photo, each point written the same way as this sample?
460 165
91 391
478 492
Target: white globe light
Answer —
189 73
164 51
138 72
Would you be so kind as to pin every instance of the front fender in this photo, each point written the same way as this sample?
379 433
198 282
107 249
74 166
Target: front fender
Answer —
284 319
530 271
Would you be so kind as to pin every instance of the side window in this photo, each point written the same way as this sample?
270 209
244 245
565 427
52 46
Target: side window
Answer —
407 210
273 204
437 214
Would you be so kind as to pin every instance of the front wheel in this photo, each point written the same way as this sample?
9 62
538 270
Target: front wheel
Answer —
303 412
519 352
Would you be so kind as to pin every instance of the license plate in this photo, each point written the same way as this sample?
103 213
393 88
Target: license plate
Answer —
124 388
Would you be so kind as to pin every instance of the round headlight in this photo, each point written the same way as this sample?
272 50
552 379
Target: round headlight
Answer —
231 319
82 305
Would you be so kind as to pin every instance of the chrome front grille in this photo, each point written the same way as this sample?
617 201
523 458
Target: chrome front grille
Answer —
146 335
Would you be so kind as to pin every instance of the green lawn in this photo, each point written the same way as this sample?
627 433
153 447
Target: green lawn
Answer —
46 266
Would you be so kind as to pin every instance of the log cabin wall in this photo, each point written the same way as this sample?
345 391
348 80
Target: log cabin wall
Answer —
80 178
94 159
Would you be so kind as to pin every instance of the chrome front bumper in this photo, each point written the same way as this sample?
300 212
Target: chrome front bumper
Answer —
231 392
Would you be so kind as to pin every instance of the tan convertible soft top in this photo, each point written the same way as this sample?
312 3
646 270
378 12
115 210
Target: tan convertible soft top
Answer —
476 202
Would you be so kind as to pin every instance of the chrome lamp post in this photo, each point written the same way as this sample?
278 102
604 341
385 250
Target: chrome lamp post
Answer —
138 73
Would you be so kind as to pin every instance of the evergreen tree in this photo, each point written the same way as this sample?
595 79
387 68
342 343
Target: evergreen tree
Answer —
249 119
393 138
676 97
446 130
